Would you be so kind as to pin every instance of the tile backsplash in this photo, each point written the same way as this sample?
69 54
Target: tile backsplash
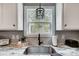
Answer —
12 35
33 39
63 35
8 34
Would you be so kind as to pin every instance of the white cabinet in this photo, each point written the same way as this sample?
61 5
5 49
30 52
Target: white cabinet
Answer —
71 16
1 16
11 16
8 16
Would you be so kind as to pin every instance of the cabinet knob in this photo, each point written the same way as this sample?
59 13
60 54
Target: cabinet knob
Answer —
13 25
65 25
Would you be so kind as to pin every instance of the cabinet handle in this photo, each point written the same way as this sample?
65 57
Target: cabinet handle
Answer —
65 25
13 25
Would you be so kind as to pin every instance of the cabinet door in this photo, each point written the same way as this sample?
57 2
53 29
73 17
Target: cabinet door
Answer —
9 16
1 16
71 16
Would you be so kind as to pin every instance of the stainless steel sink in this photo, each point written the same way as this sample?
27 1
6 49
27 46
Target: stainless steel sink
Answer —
41 50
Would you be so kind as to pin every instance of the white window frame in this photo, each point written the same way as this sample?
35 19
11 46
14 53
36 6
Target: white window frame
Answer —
27 32
29 28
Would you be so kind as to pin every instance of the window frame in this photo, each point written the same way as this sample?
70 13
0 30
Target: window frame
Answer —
47 6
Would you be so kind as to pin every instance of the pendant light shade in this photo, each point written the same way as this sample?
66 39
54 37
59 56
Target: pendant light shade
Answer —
40 12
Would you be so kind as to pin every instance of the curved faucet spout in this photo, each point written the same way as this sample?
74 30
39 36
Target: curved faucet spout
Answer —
39 43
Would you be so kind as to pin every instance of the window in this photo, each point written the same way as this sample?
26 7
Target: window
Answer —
34 25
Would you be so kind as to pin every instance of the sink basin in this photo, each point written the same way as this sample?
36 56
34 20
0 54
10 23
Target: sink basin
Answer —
41 50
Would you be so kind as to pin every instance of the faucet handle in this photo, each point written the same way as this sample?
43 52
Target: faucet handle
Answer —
41 42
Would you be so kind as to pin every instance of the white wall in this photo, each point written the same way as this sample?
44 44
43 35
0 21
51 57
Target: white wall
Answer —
20 16
59 11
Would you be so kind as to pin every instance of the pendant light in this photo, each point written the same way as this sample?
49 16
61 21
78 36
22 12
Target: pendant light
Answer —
40 12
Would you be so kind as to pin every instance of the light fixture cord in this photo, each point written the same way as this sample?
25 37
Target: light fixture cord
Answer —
40 5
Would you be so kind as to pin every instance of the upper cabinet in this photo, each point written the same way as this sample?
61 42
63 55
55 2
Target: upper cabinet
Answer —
1 16
67 16
71 16
11 17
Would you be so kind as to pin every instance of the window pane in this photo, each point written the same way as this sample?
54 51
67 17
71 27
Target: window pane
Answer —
39 27
34 25
31 15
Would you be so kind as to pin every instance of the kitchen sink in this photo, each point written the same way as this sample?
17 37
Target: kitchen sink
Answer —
41 50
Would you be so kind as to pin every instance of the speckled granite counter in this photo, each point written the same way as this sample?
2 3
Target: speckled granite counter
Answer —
65 51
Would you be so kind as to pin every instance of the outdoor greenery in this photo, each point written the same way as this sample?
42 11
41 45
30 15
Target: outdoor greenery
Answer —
39 25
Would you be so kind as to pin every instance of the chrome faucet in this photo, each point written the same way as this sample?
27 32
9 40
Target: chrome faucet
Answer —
39 43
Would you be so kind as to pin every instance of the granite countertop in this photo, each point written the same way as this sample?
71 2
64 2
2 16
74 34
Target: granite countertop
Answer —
65 51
